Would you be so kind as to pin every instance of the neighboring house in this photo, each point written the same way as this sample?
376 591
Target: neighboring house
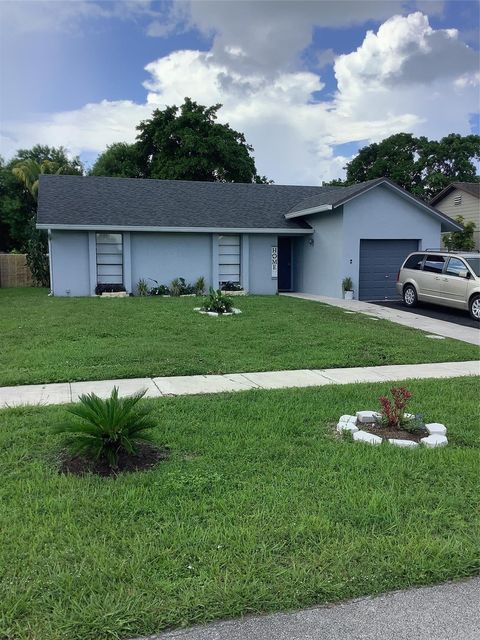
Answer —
269 238
461 199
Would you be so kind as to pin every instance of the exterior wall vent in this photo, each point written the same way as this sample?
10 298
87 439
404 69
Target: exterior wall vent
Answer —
457 200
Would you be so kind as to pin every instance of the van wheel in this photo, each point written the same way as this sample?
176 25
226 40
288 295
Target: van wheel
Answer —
474 307
410 296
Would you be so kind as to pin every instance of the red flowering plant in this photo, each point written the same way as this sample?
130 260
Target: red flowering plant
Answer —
393 413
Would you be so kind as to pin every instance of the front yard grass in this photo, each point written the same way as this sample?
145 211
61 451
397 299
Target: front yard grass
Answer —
64 339
260 508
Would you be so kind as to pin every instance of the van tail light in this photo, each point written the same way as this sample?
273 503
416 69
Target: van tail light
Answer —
398 276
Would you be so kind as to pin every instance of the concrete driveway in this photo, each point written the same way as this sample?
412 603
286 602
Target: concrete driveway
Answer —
445 612
434 311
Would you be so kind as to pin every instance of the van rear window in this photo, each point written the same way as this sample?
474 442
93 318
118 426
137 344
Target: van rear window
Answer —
415 261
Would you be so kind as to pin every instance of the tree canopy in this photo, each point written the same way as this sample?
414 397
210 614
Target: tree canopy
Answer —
119 160
182 143
461 240
18 192
422 166
18 202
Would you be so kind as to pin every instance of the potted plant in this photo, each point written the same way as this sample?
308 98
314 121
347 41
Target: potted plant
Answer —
347 287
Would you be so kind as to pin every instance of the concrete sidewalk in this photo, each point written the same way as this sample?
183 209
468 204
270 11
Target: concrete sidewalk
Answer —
444 612
64 392
405 318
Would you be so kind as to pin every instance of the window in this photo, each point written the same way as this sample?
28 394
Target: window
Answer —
109 258
229 259
414 262
434 264
457 199
455 265
475 265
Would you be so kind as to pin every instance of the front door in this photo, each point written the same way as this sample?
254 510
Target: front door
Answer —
284 263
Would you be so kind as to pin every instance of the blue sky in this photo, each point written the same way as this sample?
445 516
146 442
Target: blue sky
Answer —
308 82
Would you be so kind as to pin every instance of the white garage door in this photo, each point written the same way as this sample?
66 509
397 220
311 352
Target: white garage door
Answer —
229 259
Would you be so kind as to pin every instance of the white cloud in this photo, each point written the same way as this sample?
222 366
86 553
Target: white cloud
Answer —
293 134
272 34
409 68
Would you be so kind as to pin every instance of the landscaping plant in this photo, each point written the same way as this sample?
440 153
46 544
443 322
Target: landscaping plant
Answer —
347 284
179 287
231 286
218 302
107 427
142 287
393 413
199 286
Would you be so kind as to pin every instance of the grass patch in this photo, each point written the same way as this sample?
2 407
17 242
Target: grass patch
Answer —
259 508
64 339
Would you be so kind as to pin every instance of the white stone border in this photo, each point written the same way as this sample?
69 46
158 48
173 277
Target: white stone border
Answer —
214 314
437 432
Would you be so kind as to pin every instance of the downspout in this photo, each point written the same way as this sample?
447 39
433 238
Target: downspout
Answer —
50 261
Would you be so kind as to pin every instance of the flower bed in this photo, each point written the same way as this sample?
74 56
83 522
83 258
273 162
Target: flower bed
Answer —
366 426
393 425
217 304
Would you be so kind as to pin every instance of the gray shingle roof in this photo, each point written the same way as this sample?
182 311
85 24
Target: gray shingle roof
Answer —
473 188
123 202
333 195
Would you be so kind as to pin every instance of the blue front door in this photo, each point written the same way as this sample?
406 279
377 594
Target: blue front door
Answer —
284 263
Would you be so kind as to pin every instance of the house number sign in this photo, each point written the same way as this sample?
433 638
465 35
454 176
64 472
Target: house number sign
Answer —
274 262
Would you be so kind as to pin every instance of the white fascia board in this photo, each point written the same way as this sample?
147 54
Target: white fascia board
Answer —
308 212
100 227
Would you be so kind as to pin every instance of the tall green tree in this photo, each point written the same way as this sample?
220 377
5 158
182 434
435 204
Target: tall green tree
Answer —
18 202
119 160
422 166
183 143
461 240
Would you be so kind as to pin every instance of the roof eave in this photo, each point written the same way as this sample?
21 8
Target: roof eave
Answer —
307 212
159 229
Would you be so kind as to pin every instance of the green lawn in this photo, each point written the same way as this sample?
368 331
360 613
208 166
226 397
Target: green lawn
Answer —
59 339
260 508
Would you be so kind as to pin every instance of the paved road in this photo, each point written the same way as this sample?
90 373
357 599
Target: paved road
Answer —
447 612
434 311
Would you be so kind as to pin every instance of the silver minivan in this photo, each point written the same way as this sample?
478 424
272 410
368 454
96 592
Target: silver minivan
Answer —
450 278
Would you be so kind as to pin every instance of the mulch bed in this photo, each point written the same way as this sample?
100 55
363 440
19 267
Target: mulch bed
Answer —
390 432
147 457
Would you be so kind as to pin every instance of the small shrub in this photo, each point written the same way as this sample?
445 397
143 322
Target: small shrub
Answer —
160 290
218 302
199 286
393 412
107 427
178 287
142 287
108 288
231 286
347 284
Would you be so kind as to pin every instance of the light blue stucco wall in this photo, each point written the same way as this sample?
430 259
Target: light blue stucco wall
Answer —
260 264
381 214
165 256
160 256
318 257
70 263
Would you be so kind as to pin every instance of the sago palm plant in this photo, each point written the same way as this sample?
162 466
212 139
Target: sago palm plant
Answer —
107 427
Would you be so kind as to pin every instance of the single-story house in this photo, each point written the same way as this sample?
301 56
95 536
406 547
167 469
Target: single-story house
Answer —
461 199
268 238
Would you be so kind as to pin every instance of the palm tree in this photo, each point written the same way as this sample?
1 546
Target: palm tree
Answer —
28 172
